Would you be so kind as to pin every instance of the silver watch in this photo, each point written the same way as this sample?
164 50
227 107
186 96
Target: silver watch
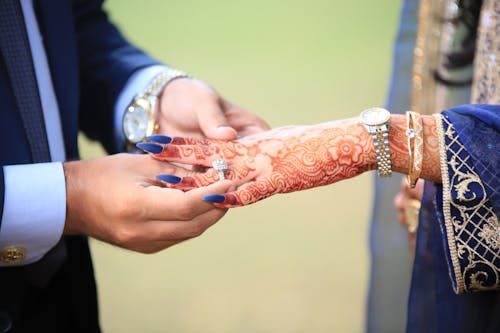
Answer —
376 122
138 120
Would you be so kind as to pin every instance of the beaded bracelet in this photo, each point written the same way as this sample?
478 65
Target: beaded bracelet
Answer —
414 133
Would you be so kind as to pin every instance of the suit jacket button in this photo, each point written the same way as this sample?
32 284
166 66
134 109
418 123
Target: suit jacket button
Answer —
5 322
12 254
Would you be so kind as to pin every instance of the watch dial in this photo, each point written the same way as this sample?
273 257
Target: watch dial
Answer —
135 123
375 116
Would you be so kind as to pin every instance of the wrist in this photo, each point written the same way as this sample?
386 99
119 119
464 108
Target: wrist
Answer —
351 147
141 116
398 143
399 147
71 175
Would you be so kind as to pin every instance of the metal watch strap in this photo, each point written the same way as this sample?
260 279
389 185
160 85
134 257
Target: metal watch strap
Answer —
161 80
381 142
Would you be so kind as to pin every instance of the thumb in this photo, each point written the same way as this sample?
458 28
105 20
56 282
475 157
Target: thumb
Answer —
214 124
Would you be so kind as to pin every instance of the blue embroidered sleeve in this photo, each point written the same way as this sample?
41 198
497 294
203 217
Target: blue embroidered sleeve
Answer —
467 202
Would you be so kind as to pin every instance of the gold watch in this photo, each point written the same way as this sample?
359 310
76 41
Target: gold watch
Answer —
376 122
139 120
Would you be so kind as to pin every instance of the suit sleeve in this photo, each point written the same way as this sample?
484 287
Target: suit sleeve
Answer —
106 61
34 209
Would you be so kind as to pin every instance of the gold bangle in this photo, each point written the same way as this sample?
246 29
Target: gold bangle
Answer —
414 134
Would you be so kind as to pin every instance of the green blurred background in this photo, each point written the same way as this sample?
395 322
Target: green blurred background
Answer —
294 263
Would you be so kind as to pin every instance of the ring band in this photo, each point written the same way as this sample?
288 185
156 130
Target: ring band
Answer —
412 209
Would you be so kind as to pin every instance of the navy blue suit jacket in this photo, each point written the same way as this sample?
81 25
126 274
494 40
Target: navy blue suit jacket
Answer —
90 63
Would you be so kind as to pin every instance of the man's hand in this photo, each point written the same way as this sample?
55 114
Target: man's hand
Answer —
189 107
116 199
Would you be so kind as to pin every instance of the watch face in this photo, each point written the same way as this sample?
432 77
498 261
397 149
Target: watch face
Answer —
375 116
135 123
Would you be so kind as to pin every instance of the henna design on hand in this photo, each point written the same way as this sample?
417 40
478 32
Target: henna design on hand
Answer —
283 160
295 158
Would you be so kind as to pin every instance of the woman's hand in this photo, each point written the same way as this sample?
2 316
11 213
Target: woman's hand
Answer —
407 203
281 160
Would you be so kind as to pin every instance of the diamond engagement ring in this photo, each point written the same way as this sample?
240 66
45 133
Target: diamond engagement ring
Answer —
220 166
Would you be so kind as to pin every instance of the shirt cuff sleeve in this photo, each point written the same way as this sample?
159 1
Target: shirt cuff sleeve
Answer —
135 84
34 209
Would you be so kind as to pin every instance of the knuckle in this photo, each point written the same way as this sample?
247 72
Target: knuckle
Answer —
125 237
184 212
196 229
126 209
150 250
121 236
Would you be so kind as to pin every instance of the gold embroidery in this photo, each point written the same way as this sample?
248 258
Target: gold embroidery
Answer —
466 179
471 226
455 252
486 84
491 232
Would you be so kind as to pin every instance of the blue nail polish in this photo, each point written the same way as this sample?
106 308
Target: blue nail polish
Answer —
160 138
150 147
215 198
169 179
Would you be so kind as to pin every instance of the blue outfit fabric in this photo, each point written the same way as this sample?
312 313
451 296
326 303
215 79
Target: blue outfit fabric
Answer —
456 276
90 62
390 271
433 305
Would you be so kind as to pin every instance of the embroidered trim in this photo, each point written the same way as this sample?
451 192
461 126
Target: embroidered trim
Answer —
458 284
471 228
486 84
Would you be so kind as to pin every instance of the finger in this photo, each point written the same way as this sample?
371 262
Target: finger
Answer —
178 140
149 247
402 220
168 231
244 122
166 147
197 154
399 203
187 183
214 124
154 236
238 173
418 191
247 195
399 200
170 204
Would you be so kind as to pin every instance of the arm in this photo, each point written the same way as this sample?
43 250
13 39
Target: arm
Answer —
297 157
461 157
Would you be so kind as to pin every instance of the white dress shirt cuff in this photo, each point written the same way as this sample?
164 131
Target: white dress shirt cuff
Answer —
137 83
34 210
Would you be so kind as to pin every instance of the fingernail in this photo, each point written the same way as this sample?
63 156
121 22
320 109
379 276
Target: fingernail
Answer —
215 198
150 147
169 179
160 138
